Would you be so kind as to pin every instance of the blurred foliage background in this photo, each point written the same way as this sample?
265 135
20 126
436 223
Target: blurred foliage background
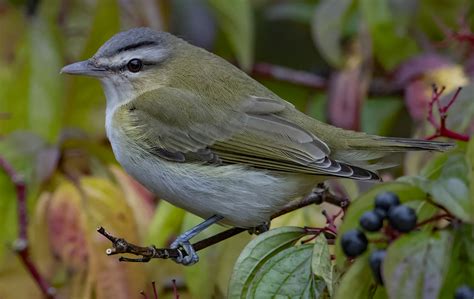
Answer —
359 64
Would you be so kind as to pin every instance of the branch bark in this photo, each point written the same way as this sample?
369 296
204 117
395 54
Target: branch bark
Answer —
121 246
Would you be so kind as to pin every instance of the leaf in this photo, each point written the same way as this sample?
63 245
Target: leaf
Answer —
461 113
201 278
256 253
416 264
105 205
470 161
347 91
20 150
8 215
365 202
293 11
321 262
451 188
389 46
137 197
327 27
357 282
380 114
287 274
85 100
45 87
461 267
66 227
165 223
228 254
236 20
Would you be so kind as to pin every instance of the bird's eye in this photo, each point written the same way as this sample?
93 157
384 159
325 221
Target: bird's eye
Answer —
135 65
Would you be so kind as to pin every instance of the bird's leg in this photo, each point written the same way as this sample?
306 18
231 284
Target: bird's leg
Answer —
259 229
182 241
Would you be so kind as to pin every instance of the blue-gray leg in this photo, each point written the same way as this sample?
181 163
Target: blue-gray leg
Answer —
182 241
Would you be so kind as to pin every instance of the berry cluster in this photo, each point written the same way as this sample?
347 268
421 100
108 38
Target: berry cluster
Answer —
401 219
464 292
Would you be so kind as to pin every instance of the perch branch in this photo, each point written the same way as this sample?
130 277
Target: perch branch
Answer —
121 246
21 243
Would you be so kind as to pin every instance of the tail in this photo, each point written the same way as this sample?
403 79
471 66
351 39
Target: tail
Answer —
394 144
369 153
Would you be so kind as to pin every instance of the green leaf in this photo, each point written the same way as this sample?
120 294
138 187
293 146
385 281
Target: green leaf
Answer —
389 46
21 150
8 206
433 169
321 262
416 264
256 254
85 99
451 189
201 278
287 274
470 162
357 282
166 222
45 100
236 20
379 115
293 11
327 28
407 192
461 267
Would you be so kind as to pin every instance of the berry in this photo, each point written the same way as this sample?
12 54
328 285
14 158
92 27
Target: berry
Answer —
464 292
371 221
386 201
354 243
381 212
402 218
375 262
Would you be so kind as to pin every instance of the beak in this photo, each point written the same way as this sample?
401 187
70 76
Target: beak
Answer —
86 68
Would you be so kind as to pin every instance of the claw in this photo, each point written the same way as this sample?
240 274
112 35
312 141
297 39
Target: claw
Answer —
190 257
259 229
182 242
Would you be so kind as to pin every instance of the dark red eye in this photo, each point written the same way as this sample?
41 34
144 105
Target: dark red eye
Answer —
135 65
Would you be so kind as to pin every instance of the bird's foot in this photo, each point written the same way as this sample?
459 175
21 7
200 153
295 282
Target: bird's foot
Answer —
189 257
259 229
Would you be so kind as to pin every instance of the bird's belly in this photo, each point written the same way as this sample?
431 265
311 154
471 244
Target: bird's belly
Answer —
244 197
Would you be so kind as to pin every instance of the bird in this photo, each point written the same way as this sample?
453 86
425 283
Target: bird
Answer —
203 135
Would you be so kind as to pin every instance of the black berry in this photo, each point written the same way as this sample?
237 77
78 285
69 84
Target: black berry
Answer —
386 201
402 218
354 243
375 262
371 221
464 292
381 212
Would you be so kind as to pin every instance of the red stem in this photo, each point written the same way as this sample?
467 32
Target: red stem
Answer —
441 130
21 244
155 293
175 289
433 219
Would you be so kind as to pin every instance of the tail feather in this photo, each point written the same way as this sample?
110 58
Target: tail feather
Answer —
394 144
371 153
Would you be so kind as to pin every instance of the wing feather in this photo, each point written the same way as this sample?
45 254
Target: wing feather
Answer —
180 126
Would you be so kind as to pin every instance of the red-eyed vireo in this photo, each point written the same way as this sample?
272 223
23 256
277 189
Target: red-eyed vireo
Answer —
203 135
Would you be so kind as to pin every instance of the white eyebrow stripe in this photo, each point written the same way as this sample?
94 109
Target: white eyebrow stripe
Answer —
147 54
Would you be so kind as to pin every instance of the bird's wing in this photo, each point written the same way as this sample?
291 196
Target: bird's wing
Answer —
180 126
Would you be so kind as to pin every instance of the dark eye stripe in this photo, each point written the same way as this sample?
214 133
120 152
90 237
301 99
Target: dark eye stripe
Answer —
136 46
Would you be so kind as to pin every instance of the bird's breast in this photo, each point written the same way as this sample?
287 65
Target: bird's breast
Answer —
245 197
